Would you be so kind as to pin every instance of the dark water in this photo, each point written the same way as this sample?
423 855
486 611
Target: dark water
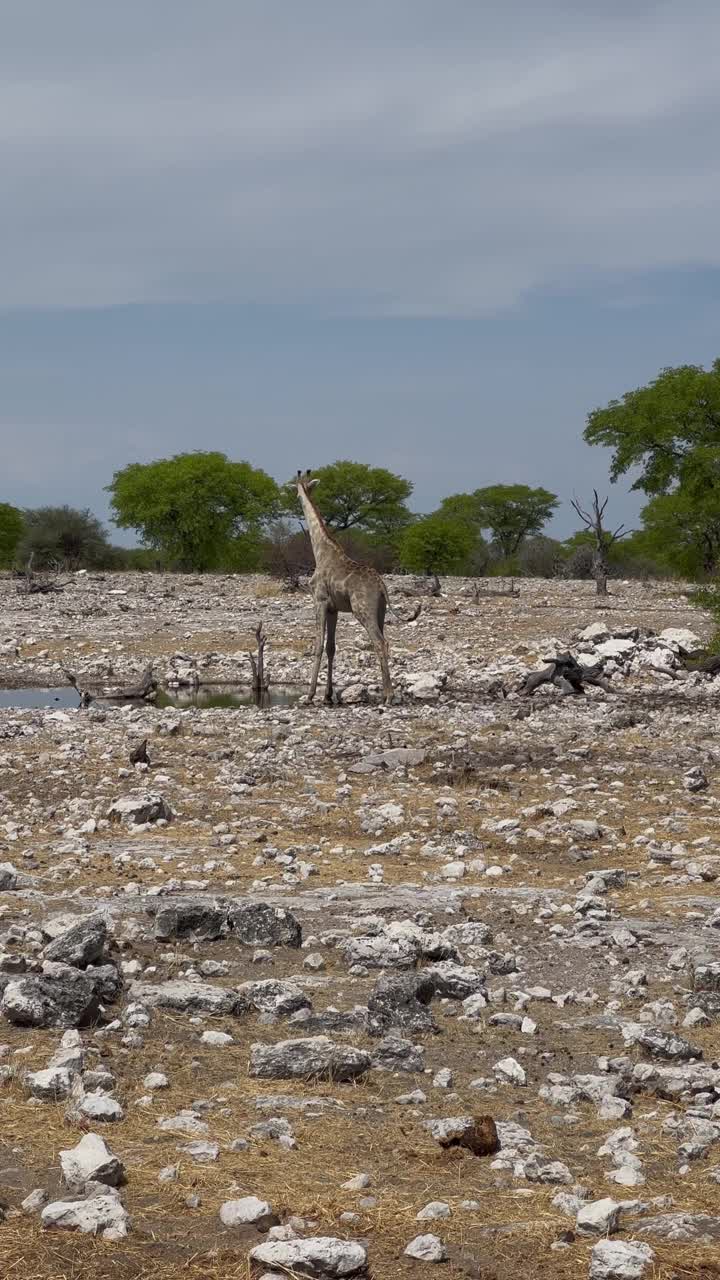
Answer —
219 696
51 699
211 696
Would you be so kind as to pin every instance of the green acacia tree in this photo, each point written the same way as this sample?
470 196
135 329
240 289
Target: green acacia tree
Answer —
509 512
355 496
199 510
682 530
669 431
11 530
436 544
66 538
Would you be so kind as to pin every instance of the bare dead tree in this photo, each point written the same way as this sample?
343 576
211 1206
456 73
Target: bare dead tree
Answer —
85 697
260 682
604 539
32 585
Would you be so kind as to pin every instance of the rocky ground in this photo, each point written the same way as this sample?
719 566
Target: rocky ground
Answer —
353 991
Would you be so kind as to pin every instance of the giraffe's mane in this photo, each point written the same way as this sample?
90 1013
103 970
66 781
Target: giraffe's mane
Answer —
331 537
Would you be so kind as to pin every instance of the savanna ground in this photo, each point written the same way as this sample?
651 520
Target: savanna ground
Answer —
246 785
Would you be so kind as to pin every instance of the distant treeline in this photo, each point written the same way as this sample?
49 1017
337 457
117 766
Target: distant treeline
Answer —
203 512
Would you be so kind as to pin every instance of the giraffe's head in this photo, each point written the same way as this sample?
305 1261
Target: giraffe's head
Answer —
305 481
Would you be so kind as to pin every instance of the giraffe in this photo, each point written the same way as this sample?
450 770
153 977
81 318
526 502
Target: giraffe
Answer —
341 585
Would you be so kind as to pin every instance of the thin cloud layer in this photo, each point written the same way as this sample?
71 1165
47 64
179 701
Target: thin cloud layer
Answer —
403 158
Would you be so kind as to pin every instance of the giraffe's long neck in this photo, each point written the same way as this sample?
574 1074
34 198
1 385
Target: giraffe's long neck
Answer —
319 536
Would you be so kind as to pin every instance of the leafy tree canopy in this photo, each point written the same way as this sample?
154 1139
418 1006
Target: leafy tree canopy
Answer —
11 528
66 538
510 512
353 495
436 544
682 530
670 429
192 506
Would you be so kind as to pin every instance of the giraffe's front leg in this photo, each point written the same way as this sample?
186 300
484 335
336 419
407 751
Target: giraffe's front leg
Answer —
320 626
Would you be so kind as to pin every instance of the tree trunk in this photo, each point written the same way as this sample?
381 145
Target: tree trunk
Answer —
600 573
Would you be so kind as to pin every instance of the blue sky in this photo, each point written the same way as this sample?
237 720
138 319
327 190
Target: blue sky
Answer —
430 237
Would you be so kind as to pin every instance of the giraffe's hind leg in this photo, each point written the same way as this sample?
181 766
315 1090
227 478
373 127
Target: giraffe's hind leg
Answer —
373 624
331 625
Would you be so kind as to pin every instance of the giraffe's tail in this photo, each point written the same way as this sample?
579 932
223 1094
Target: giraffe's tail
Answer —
394 614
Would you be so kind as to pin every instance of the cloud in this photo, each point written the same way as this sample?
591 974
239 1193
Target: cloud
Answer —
403 159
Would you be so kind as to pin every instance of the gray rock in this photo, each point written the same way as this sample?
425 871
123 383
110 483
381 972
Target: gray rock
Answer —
98 1106
470 933
455 981
620 1260
316 1057
706 977
681 638
662 1044
426 1249
277 1128
258 924
190 917
35 1201
81 945
381 952
552 1172
183 1122
598 1217
289 1102
108 981
102 1215
695 779
138 810
9 877
435 1209
360 1182
509 1071
702 1227
155 1080
201 1152
91 1161
67 1000
218 1039
400 1001
396 1054
50 1085
317 1257
271 996
394 758
248 1211
186 997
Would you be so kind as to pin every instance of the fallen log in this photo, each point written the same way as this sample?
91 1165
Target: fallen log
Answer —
566 673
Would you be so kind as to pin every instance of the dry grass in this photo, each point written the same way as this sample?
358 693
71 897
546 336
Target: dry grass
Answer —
515 1225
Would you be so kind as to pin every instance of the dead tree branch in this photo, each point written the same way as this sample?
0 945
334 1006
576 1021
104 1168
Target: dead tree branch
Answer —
565 672
85 697
260 682
604 538
32 585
